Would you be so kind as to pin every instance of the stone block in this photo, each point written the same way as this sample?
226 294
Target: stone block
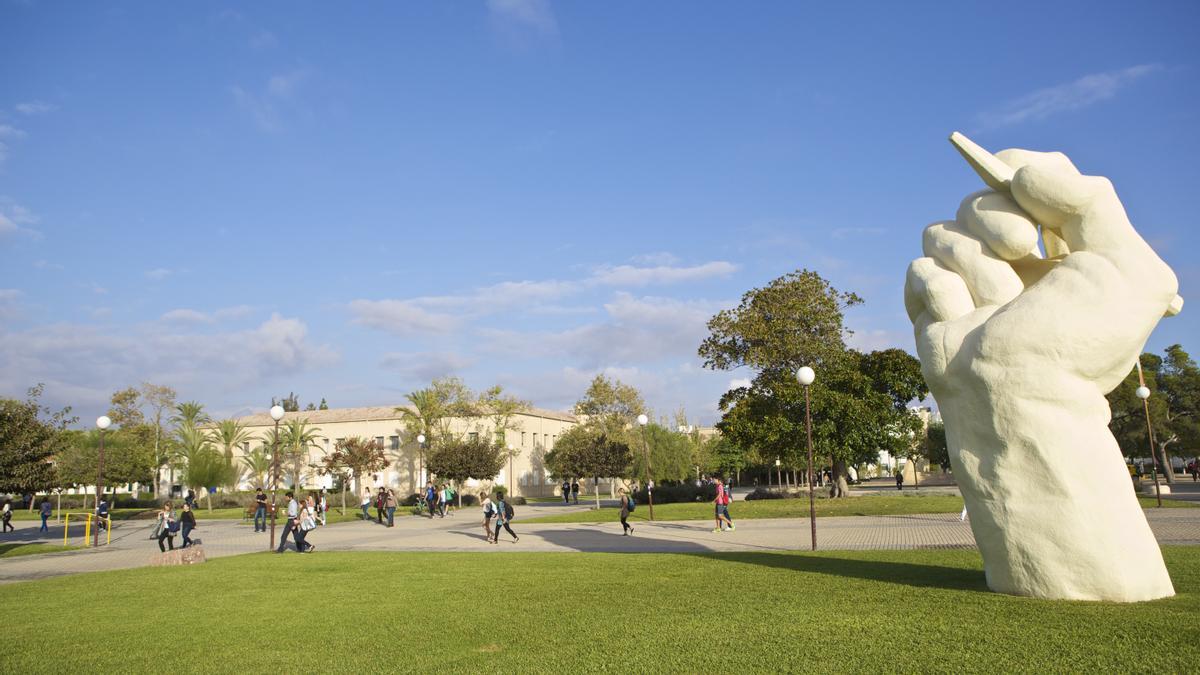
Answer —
180 556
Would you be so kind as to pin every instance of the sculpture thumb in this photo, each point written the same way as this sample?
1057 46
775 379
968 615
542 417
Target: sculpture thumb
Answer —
1054 198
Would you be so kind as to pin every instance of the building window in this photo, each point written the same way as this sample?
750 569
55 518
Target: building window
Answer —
473 436
394 442
522 439
379 440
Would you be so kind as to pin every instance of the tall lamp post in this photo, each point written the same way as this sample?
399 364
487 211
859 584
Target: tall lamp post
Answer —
421 462
1143 392
102 423
806 376
511 451
642 421
276 414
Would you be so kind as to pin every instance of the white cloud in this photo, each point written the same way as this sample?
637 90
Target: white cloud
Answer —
186 316
424 366
158 274
628 275
660 258
1083 92
83 364
264 39
530 14
739 382
401 317
269 106
35 107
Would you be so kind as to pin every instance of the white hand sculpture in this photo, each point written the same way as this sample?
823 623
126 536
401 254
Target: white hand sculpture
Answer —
1019 351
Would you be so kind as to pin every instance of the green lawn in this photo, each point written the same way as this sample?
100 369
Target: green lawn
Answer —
866 505
896 611
19 549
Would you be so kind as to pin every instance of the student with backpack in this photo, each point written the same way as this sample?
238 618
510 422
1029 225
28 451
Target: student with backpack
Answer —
566 491
504 514
722 507
627 507
431 499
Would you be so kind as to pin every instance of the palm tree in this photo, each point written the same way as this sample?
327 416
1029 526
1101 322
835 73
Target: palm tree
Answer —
297 438
230 434
190 413
257 464
193 448
423 415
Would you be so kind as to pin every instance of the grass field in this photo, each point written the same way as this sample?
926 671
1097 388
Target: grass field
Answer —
567 612
19 549
867 505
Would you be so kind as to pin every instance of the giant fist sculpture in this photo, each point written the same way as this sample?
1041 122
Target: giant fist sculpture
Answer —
1019 350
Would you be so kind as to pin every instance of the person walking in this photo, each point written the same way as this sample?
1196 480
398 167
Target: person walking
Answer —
366 504
102 514
722 507
899 479
380 503
7 515
323 506
431 499
627 506
187 522
489 512
167 527
305 522
260 511
566 491
293 512
46 510
445 499
390 505
504 515
190 499
575 490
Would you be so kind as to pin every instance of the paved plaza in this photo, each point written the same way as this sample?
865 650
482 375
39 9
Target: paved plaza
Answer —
132 547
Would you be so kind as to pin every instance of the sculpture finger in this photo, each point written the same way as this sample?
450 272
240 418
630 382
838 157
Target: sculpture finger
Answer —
931 288
996 218
991 280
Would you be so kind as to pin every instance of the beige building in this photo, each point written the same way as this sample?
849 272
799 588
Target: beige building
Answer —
532 435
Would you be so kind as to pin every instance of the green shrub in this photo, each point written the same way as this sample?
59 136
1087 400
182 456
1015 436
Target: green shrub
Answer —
764 493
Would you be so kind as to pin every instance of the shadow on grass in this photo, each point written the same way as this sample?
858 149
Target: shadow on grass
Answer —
909 574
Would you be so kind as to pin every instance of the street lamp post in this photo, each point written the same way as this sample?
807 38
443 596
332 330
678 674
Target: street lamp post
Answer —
1143 392
102 423
420 461
806 376
642 421
510 468
276 414
778 475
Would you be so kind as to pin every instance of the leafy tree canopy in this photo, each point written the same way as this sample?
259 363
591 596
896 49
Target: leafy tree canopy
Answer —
30 437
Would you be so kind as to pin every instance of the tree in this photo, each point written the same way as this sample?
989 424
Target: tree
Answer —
356 457
610 405
1174 403
257 465
206 468
502 408
160 399
430 411
934 446
461 459
670 454
126 408
725 456
297 438
30 437
189 415
231 434
584 450
289 404
128 457
324 405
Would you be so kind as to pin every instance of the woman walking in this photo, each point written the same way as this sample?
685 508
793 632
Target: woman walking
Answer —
167 527
489 512
504 514
391 508
305 521
8 515
626 507
187 522
322 505
366 504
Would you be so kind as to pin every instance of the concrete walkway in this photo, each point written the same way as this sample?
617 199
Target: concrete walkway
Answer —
132 547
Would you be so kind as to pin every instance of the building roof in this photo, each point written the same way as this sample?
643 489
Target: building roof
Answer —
369 414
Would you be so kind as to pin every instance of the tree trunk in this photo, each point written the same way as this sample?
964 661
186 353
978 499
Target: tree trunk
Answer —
208 500
1165 459
343 495
597 491
838 486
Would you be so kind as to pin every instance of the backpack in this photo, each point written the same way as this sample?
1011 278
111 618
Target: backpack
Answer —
630 504
508 511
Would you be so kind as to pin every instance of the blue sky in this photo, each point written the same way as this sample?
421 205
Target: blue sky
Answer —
347 200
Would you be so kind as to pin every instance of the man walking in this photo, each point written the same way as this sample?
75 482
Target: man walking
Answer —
293 512
722 507
260 511
431 499
575 490
566 490
45 511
